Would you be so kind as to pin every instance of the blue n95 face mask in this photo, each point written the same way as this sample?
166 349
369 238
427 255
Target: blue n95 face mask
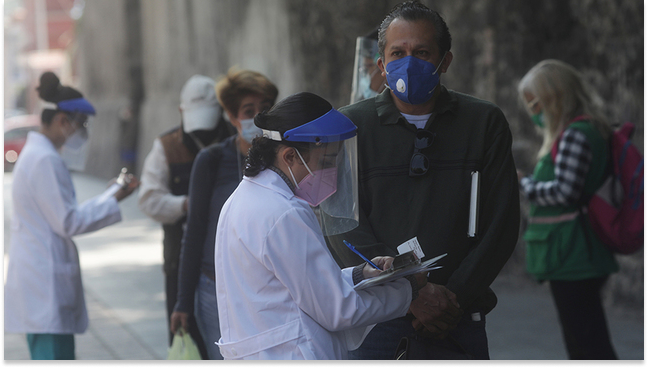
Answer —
412 80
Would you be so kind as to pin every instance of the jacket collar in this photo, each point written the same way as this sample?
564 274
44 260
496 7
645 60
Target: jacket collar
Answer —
271 180
389 114
40 140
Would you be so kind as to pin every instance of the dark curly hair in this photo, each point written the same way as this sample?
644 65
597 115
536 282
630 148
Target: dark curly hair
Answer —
289 113
51 90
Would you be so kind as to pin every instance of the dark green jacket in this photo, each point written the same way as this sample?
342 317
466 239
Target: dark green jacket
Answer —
471 135
557 247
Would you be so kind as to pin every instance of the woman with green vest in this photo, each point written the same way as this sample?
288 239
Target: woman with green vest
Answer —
561 246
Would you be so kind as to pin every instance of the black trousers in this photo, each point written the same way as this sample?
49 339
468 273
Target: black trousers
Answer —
171 286
582 318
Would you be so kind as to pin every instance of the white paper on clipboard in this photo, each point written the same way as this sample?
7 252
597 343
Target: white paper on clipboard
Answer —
387 276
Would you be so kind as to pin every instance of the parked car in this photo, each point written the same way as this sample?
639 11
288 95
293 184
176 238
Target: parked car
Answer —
15 135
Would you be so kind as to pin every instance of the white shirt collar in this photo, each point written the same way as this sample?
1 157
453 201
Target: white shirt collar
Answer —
41 140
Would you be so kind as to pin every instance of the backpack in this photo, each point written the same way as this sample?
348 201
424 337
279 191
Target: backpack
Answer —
616 210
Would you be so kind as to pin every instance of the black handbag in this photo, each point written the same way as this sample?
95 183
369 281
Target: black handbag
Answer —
418 348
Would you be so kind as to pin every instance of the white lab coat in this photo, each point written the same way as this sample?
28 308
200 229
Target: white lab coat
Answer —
280 293
43 292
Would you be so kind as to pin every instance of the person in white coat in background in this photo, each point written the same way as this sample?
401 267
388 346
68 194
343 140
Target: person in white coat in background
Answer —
43 291
280 293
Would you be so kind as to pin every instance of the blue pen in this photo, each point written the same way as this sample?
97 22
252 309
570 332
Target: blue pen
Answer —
360 254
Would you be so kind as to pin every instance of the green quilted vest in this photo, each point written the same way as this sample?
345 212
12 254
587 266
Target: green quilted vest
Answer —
557 246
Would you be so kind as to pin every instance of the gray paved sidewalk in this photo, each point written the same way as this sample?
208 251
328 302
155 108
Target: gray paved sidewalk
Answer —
122 275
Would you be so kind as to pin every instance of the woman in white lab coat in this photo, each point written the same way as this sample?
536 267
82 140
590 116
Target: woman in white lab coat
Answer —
280 293
43 291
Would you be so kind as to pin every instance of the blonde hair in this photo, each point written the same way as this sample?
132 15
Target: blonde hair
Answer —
563 95
236 84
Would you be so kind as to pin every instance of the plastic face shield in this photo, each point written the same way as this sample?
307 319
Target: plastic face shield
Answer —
75 149
339 213
333 144
364 69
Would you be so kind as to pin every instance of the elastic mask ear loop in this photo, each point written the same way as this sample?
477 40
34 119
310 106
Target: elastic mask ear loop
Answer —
304 162
66 132
386 84
291 173
293 177
441 62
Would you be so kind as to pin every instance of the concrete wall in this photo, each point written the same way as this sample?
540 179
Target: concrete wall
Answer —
181 39
308 45
103 75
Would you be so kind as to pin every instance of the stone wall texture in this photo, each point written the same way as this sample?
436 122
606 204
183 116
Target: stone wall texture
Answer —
134 56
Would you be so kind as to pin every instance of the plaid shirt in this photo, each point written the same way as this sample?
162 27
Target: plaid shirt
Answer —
572 164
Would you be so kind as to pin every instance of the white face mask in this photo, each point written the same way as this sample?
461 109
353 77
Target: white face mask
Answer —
365 87
249 131
75 150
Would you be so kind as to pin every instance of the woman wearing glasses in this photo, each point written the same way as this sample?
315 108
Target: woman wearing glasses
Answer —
280 293
43 292
561 245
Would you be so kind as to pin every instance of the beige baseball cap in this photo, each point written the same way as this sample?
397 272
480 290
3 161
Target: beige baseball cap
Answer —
200 108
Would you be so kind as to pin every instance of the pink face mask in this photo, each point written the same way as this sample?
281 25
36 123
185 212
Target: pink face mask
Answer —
317 185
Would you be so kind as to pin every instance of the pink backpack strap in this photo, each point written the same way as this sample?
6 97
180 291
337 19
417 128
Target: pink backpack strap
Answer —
627 130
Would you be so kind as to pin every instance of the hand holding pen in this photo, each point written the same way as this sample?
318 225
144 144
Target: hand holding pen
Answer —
378 264
350 246
383 263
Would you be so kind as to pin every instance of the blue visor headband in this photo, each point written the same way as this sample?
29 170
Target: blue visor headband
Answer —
76 105
330 127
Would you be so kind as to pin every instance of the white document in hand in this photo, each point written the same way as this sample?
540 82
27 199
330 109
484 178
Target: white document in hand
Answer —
411 244
387 276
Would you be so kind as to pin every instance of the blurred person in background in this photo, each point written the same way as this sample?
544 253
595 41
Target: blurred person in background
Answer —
368 81
561 245
422 148
44 293
166 173
216 172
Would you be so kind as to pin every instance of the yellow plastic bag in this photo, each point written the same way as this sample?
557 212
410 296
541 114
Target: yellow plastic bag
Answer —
183 347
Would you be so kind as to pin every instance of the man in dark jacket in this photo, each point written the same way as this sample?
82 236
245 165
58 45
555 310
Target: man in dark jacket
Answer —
166 172
419 147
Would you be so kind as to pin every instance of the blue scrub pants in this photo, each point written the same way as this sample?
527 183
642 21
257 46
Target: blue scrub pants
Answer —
51 346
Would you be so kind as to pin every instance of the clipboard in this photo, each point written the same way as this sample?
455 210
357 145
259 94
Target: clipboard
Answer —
387 276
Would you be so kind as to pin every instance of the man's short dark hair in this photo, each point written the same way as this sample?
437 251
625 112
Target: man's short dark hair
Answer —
413 11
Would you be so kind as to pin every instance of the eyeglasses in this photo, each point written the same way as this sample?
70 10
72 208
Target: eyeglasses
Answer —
420 163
